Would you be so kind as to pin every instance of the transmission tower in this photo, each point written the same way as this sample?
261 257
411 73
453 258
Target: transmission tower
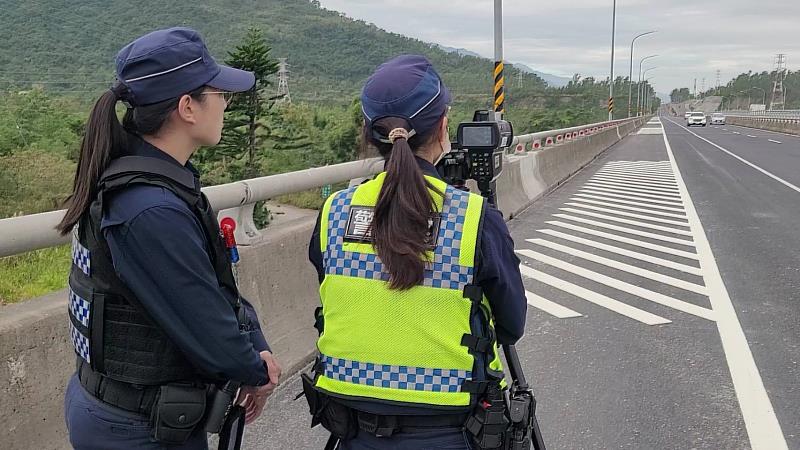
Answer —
717 81
283 82
703 88
778 94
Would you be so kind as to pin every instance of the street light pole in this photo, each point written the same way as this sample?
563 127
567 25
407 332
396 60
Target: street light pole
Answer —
762 90
611 80
644 75
630 71
639 83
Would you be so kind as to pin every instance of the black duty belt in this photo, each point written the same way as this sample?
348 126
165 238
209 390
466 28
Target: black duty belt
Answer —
130 397
385 426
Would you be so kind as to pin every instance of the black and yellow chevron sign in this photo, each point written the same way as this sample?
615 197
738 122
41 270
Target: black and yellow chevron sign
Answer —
499 89
611 104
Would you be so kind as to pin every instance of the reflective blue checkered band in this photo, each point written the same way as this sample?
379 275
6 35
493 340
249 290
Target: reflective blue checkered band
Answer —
443 272
79 308
80 255
395 377
80 342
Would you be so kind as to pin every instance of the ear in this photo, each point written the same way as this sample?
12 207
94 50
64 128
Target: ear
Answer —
187 109
443 131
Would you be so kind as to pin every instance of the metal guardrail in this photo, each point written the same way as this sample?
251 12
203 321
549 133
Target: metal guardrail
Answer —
769 114
36 231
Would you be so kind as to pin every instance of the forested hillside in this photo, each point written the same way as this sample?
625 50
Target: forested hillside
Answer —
750 87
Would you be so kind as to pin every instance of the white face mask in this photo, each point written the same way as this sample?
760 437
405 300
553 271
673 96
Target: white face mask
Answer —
446 148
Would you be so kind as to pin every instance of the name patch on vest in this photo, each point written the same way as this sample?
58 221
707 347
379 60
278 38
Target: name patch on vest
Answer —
359 226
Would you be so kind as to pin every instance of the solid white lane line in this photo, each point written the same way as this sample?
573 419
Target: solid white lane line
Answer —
635 223
593 297
751 136
773 140
630 208
638 271
634 181
612 193
624 185
621 251
765 172
552 308
646 294
628 214
659 237
623 239
633 195
762 424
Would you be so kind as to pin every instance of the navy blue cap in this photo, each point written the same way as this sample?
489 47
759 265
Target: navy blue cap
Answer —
169 63
407 87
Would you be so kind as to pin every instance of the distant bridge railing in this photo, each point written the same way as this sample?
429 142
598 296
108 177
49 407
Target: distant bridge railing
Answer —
769 114
36 231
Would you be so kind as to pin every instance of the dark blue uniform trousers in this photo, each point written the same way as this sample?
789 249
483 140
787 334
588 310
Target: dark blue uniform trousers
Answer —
94 425
440 439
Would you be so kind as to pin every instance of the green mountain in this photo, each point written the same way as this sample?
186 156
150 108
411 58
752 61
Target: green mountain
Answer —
70 45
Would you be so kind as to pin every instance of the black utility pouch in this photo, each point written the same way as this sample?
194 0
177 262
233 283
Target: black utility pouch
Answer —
334 416
177 413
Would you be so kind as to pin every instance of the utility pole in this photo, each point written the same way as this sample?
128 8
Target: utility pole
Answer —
695 88
611 79
499 80
283 81
778 93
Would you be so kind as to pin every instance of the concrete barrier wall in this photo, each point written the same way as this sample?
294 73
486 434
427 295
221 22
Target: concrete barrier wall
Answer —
275 275
779 125
527 177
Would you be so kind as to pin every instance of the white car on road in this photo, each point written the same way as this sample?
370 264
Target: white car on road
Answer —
696 118
717 119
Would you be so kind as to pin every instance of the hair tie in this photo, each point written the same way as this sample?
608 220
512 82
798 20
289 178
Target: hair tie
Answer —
119 90
398 133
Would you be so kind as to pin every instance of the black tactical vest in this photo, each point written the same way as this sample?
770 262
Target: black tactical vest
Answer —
110 329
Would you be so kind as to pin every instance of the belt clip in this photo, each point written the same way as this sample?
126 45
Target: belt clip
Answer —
370 424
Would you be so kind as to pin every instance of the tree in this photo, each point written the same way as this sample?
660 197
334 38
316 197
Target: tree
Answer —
680 95
247 125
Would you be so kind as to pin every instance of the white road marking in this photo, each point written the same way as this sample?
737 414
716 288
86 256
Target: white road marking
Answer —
735 132
623 239
659 237
646 294
633 195
620 184
634 181
638 271
773 140
593 297
609 198
552 308
768 131
621 251
640 170
751 136
636 174
628 214
759 416
634 223
611 193
630 208
662 164
765 172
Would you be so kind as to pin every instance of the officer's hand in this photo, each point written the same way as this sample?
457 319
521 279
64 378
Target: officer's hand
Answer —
252 399
273 370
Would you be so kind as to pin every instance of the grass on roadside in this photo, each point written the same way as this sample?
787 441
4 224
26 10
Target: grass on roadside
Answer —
33 274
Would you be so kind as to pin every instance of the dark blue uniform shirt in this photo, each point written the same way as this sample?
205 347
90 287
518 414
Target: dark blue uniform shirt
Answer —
497 273
160 251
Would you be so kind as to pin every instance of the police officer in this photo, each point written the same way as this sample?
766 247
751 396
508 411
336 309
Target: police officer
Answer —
419 283
155 314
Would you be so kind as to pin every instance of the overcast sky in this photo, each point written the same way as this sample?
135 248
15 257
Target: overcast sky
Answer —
563 37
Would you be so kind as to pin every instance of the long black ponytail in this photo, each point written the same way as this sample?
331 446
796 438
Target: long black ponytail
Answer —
400 226
106 139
